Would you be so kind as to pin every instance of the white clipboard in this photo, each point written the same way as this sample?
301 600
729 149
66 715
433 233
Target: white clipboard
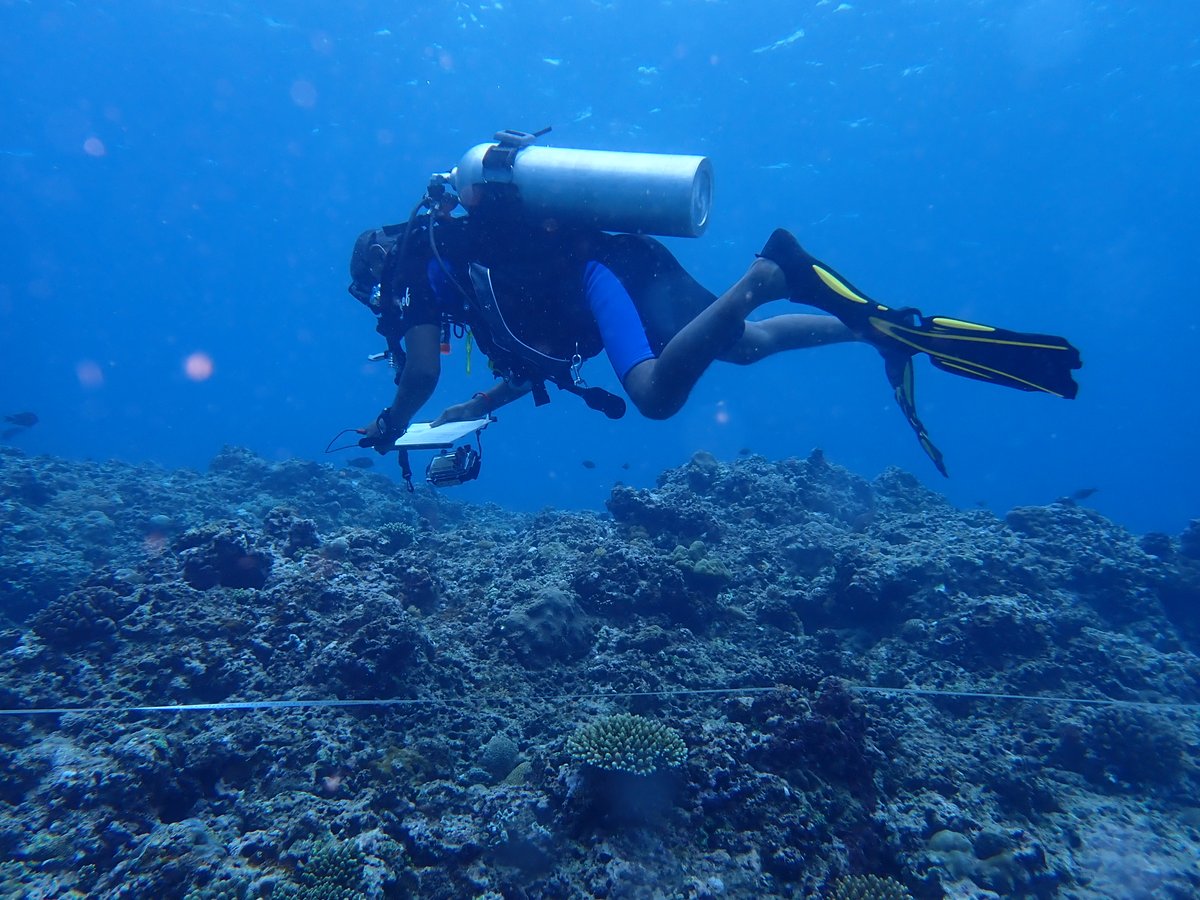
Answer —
423 436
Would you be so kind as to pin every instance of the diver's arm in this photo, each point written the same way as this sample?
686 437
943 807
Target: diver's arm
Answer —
422 368
483 403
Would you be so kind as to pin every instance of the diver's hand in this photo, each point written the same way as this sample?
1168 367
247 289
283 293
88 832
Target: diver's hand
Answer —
381 432
475 408
370 434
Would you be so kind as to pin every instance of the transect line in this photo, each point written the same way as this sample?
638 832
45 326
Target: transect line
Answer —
251 705
983 695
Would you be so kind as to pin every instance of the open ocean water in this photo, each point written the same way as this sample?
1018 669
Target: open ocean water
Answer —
180 187
188 178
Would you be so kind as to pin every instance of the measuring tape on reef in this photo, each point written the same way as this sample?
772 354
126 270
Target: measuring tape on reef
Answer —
478 699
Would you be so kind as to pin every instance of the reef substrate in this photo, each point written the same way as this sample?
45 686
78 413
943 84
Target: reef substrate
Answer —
775 616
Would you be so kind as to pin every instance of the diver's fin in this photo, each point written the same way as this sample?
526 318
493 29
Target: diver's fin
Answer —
1026 361
1015 359
899 370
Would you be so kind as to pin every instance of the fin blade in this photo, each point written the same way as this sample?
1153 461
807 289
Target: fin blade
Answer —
1022 360
899 371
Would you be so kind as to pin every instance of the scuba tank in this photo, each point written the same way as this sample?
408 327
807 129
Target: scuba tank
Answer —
646 193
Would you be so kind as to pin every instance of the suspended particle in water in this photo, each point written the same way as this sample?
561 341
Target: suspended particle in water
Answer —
89 373
304 93
198 366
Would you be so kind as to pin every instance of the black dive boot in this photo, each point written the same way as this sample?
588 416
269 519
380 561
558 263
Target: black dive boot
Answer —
813 283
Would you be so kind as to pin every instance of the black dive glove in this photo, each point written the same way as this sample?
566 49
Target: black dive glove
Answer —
387 429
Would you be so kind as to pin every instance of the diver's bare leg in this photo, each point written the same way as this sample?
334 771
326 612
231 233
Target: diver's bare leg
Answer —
659 387
792 331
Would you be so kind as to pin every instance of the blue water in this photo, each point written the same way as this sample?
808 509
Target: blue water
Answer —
180 179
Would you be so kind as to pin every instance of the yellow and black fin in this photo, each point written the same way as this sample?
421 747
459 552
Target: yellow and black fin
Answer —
1025 361
1022 360
900 374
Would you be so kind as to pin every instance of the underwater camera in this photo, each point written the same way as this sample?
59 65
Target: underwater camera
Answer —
453 467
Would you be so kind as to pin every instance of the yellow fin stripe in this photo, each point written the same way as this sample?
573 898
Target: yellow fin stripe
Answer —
973 369
959 323
837 287
899 333
894 330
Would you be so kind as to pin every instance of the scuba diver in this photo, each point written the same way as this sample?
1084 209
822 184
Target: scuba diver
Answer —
552 264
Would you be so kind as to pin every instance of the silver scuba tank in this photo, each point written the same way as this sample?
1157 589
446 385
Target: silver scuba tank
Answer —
647 193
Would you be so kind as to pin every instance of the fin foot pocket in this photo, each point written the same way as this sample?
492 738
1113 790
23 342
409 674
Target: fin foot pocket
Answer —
816 284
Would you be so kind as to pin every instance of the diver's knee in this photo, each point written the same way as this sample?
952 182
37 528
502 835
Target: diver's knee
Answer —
657 410
653 405
651 394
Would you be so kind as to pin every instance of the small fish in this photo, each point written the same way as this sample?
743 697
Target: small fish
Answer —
624 465
22 419
782 42
361 462
588 464
745 451
1073 498
10 432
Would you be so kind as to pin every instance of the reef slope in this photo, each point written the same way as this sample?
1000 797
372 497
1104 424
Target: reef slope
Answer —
756 609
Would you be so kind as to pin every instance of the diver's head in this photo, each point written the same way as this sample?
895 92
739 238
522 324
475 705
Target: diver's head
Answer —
366 266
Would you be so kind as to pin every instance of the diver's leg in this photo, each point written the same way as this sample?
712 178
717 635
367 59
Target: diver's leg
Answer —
794 331
659 387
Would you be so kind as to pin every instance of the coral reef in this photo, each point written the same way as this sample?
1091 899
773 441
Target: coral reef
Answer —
524 688
867 887
627 743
